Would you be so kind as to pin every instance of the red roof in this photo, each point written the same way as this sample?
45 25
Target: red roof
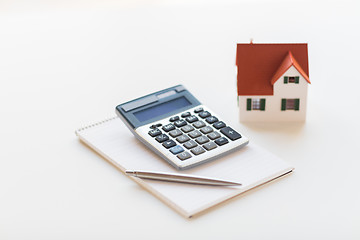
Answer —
261 65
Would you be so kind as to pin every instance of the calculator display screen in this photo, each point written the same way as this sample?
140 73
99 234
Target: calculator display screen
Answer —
161 109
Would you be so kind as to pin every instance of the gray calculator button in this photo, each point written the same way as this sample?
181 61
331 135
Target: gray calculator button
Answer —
180 123
211 119
206 129
209 146
221 141
195 134
190 144
204 114
213 135
184 155
230 133
169 143
191 119
219 125
199 124
200 109
182 138
202 140
162 138
175 133
186 114
197 150
154 132
168 127
187 128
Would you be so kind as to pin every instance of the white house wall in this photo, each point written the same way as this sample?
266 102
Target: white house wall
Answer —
273 110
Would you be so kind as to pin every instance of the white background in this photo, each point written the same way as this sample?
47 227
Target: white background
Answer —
66 64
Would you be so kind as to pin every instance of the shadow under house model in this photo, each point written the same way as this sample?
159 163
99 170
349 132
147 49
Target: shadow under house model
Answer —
272 81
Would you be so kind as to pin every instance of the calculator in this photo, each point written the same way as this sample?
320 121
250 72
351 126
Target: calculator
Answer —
176 126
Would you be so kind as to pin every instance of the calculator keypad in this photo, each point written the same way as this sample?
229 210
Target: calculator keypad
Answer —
193 133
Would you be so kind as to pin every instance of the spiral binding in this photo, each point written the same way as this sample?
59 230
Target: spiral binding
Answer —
95 124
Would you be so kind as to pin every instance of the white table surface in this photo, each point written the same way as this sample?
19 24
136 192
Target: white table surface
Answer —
66 64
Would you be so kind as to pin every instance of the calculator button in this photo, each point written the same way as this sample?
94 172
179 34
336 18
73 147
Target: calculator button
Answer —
169 143
155 126
230 133
173 119
199 124
221 141
211 119
219 125
177 149
168 127
191 119
182 138
202 140
204 114
162 138
200 109
206 129
197 150
213 135
190 144
184 155
210 146
175 133
187 128
195 134
180 123
187 114
155 132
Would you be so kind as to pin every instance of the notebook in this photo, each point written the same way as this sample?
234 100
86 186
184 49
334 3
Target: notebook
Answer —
252 166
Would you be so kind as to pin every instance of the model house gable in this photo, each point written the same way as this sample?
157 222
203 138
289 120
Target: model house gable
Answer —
272 81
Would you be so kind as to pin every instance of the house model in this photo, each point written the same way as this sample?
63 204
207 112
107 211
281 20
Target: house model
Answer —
272 82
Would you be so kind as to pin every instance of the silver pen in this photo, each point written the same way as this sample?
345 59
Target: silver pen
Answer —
182 178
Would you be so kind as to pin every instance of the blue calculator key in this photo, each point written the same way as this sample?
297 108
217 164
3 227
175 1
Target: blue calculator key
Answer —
162 138
221 141
173 119
204 114
180 123
177 149
230 133
200 109
187 114
169 143
219 125
155 132
168 127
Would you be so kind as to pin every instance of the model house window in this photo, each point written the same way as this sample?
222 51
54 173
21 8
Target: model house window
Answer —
290 104
255 104
291 79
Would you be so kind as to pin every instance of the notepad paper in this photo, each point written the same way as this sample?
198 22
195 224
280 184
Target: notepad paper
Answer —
251 166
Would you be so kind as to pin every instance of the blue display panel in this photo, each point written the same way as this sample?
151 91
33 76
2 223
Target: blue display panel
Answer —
161 109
